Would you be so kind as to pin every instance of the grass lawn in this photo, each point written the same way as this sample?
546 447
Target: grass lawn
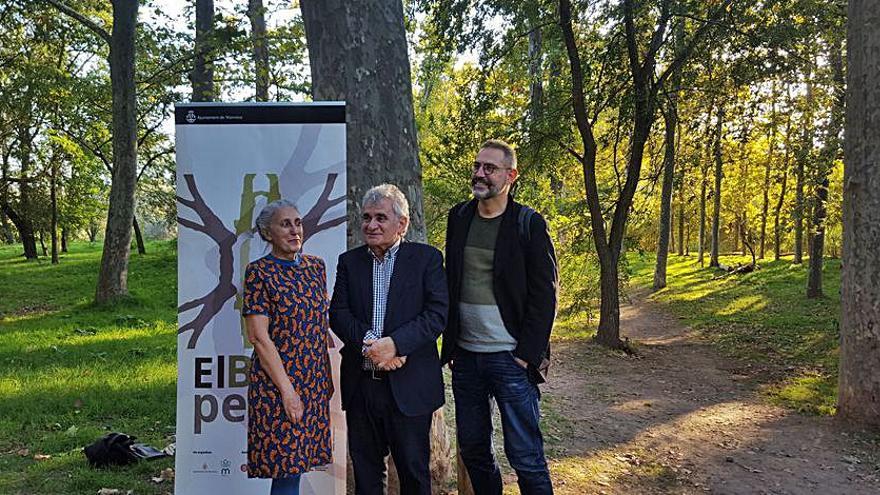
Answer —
763 317
71 372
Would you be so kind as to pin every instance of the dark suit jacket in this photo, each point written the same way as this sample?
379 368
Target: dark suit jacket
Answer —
414 318
526 283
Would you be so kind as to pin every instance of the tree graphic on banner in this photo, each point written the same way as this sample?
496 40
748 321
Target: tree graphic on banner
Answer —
213 227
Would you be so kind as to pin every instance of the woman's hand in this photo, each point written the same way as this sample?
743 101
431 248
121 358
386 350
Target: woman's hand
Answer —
293 406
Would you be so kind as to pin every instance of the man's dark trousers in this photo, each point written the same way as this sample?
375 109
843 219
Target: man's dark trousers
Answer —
476 377
374 423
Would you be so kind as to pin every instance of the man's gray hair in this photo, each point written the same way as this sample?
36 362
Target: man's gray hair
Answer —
264 219
387 191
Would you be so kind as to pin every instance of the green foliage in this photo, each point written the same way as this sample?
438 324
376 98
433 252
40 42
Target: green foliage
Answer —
762 317
71 372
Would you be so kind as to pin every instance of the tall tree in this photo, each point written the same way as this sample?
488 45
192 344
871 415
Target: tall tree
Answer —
716 192
646 84
113 275
859 391
202 76
777 219
375 82
260 50
827 157
768 168
382 146
803 156
670 116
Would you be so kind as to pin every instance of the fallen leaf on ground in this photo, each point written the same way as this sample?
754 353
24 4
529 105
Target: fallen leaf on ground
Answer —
42 457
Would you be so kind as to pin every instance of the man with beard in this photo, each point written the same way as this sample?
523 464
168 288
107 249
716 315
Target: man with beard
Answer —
502 276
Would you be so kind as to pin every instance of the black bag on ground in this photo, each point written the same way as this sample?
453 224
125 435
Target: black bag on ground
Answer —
114 449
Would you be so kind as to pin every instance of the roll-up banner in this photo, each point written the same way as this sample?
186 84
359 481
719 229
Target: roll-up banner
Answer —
232 159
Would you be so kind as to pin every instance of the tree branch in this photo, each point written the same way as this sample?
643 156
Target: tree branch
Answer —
85 21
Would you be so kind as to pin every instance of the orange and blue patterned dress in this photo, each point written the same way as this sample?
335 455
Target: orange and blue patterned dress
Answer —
293 294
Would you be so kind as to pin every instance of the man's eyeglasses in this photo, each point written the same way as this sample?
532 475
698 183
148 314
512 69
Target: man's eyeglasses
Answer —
488 168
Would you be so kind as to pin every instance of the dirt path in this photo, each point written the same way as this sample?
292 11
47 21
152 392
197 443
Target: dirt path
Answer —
680 418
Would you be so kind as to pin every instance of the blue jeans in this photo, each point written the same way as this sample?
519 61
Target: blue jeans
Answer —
476 379
285 486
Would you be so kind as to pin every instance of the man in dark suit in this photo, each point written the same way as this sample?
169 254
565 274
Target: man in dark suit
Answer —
389 307
503 282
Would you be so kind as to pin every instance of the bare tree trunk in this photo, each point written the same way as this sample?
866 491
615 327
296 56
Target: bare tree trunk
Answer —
93 231
113 277
609 306
830 152
64 239
802 158
256 14
23 219
138 237
202 76
43 244
704 183
53 200
817 242
374 80
777 222
765 206
682 243
716 194
671 120
859 388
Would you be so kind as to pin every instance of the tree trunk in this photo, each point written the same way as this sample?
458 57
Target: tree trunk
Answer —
257 15
43 244
6 235
374 80
859 388
64 239
702 240
93 231
830 153
671 119
609 307
536 94
777 222
716 194
53 200
682 243
138 237
765 205
202 76
803 157
23 220
113 277
817 243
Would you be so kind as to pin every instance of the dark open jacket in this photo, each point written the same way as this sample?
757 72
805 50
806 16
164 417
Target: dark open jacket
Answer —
415 315
526 283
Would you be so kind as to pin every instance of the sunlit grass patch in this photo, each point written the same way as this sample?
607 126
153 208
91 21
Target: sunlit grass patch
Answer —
811 392
71 371
763 316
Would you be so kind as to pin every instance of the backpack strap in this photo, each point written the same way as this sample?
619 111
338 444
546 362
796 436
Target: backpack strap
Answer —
524 222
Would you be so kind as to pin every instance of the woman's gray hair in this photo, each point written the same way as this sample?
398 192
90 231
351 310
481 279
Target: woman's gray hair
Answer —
264 219
387 191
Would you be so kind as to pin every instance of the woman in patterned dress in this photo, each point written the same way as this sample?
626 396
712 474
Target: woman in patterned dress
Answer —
285 310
